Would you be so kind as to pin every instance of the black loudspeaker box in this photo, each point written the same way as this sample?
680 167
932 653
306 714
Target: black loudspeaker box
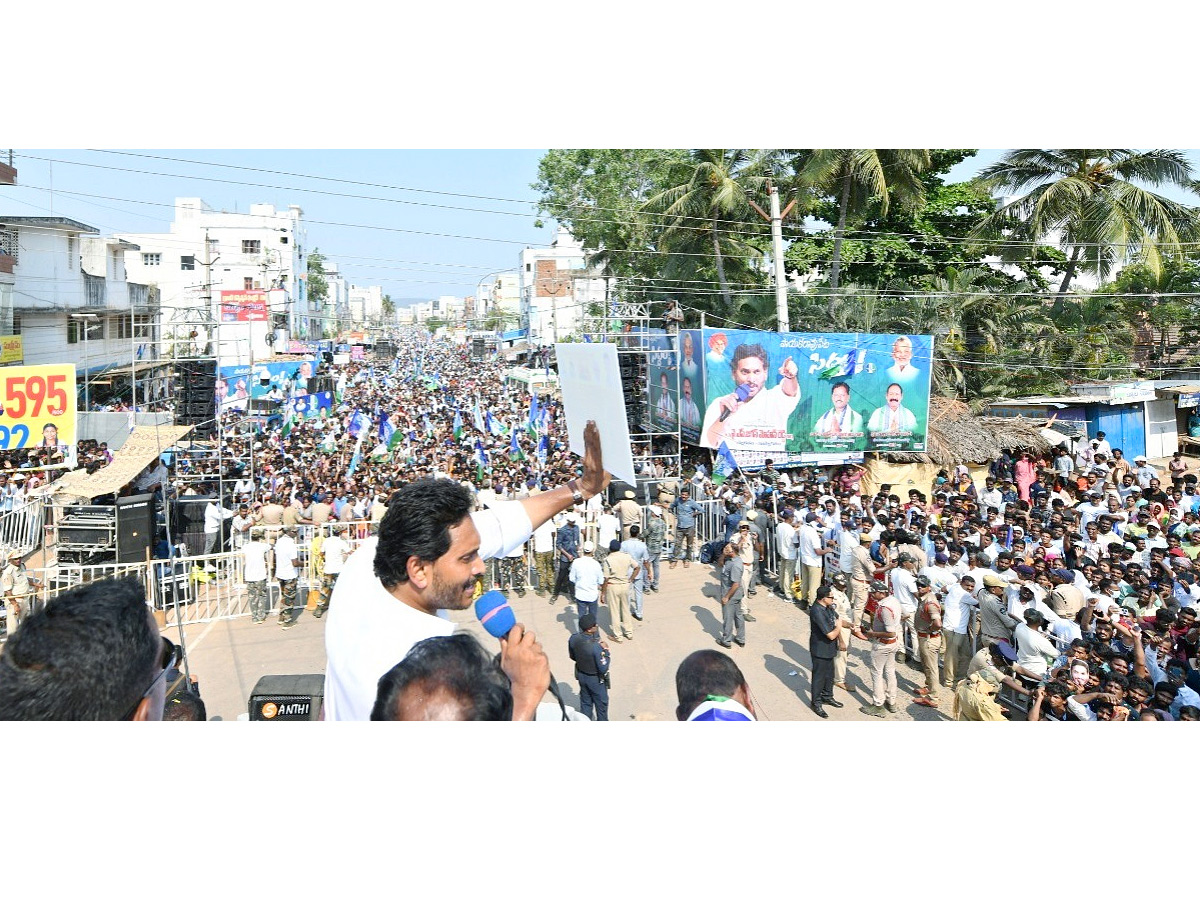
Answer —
287 698
136 525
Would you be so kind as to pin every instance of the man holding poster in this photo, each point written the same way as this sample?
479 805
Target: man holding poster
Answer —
753 417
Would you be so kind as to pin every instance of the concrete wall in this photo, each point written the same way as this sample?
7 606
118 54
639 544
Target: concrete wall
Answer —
113 427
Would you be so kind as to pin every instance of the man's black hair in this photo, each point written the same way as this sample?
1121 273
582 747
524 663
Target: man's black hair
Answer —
1057 689
744 350
455 664
635 530
89 655
184 706
702 674
417 524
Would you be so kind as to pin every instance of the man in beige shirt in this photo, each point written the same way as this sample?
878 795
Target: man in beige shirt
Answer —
619 572
629 512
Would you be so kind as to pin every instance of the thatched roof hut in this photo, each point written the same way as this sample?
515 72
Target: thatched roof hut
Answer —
956 435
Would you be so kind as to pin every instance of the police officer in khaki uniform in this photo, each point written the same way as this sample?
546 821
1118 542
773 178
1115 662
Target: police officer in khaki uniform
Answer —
629 512
884 636
842 605
619 572
928 622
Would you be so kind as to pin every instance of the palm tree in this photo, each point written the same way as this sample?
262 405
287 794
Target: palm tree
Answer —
1092 200
859 178
711 192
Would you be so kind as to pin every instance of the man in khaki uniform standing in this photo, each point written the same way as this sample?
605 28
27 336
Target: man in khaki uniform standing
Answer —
15 584
862 573
928 622
619 572
629 512
884 636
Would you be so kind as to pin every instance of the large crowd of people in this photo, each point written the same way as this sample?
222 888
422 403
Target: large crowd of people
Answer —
1061 586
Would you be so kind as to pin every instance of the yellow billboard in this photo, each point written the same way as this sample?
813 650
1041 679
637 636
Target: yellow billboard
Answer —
12 349
37 408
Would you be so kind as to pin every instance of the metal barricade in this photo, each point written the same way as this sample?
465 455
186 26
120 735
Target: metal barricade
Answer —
21 527
195 589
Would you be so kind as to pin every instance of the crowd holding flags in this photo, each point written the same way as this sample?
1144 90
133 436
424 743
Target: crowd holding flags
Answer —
724 466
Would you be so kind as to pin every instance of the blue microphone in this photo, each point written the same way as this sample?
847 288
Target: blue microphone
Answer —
743 394
494 614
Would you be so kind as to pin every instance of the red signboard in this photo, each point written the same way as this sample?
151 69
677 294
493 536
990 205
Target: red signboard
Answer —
243 306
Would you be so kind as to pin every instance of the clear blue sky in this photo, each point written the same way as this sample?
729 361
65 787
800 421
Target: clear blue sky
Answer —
370 228
420 223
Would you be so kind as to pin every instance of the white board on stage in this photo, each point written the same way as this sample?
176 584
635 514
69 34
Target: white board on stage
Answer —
591 389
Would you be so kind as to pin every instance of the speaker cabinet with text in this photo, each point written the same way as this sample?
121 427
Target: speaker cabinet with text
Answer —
284 698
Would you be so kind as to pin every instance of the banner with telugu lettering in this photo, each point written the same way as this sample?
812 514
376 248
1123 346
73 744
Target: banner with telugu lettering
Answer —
766 392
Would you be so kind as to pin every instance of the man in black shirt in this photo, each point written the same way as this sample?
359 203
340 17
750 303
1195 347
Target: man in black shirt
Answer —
824 628
591 667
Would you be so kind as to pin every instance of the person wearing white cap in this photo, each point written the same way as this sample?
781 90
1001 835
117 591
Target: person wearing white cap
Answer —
628 511
1143 471
15 583
586 575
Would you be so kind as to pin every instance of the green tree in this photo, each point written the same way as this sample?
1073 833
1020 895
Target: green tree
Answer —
598 196
862 181
710 197
388 308
318 286
1166 304
1093 203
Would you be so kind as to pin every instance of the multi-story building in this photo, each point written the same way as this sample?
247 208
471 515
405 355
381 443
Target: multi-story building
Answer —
70 300
556 289
259 257
366 304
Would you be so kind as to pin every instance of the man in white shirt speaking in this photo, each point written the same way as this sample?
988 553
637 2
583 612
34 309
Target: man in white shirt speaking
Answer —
397 587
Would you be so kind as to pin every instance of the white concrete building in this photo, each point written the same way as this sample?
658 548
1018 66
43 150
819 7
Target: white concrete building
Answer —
501 293
337 302
556 288
70 300
263 249
366 303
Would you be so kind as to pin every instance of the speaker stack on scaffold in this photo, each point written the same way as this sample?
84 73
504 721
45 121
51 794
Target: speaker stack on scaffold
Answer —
197 386
633 385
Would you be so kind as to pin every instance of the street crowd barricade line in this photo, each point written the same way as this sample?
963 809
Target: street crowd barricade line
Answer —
198 589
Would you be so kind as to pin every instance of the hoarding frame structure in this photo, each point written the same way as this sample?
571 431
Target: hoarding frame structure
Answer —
854 392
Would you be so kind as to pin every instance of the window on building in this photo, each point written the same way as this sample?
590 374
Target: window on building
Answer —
248 283
151 259
138 327
252 247
528 267
16 324
187 263
75 328
283 239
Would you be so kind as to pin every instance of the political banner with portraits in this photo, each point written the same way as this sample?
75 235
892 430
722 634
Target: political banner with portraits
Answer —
765 392
238 384
663 377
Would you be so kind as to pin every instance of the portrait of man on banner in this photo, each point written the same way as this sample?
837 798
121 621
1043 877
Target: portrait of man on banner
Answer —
753 416
893 417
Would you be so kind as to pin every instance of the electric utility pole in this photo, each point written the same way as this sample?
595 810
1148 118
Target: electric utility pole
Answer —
776 219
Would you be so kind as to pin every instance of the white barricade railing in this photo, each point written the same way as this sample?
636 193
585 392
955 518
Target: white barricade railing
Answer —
21 528
194 589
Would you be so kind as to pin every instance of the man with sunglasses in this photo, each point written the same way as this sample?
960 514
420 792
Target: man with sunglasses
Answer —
94 653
